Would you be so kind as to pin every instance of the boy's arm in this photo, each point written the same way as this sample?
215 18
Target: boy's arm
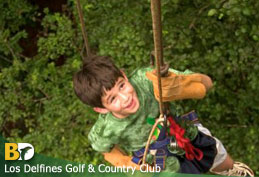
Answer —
179 86
117 158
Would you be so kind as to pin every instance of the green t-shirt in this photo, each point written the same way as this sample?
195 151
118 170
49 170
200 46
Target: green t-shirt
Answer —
131 133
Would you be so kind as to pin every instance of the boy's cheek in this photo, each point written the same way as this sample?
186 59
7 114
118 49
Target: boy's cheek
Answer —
116 106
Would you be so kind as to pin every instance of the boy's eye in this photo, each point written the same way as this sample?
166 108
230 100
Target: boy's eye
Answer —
112 99
122 85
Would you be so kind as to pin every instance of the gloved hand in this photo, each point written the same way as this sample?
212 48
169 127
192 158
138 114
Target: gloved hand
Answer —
117 158
179 87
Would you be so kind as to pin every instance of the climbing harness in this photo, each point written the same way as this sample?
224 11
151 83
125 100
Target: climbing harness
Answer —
169 142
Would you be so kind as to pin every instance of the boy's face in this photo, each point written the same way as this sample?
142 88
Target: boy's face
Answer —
121 100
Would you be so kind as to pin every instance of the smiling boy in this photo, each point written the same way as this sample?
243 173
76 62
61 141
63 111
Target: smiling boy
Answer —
126 104
121 100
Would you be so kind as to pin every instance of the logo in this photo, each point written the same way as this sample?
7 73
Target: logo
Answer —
18 151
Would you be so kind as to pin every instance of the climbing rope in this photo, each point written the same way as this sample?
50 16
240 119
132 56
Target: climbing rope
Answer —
157 35
80 13
158 121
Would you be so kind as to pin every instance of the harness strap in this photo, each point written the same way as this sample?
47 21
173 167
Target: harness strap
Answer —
160 158
136 160
153 146
161 146
191 116
160 155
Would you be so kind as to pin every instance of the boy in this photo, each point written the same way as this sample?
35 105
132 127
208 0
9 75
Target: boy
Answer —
126 104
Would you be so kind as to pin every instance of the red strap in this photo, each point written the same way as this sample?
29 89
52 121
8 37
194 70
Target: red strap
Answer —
190 151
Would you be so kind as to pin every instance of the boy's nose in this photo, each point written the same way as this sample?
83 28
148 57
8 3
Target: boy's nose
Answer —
123 96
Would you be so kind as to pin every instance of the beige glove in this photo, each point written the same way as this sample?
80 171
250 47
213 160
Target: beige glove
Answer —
117 158
179 87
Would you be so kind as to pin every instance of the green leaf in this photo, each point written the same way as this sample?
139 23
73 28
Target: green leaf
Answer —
212 12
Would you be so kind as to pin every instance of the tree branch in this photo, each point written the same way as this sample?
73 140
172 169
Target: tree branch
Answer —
6 59
10 49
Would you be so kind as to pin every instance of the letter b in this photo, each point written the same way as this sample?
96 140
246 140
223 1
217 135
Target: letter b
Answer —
11 148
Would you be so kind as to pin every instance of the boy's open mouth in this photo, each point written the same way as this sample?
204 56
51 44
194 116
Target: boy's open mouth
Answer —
131 104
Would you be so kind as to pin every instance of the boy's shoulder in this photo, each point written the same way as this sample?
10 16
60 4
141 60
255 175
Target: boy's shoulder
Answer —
101 136
139 75
139 72
140 81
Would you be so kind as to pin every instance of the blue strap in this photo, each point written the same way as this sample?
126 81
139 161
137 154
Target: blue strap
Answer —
161 154
160 144
153 146
136 160
191 116
160 158
160 161
139 153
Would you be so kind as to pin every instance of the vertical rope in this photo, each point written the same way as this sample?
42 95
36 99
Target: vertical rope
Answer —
157 35
80 13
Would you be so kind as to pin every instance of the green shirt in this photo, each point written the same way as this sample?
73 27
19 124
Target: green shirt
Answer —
131 133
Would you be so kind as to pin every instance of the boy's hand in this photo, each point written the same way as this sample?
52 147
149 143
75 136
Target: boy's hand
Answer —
206 81
117 158
178 87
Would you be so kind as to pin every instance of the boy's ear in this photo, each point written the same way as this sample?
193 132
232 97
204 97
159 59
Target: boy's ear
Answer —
124 75
101 110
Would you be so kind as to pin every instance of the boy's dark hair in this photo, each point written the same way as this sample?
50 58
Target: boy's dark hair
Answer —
97 75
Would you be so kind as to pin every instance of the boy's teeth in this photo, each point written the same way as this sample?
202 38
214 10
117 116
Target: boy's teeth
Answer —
130 104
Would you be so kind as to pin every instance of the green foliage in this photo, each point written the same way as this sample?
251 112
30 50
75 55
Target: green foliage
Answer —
218 38
113 26
58 36
14 14
38 104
